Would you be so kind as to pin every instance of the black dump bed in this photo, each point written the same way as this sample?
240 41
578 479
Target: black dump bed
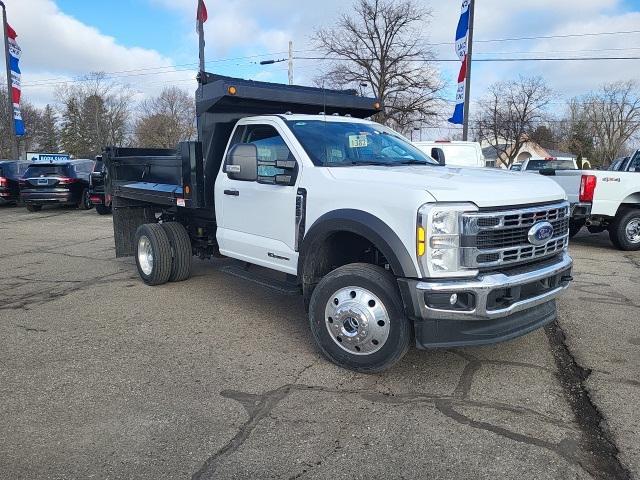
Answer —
186 176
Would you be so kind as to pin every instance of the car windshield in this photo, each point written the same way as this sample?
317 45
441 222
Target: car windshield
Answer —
337 144
46 171
552 164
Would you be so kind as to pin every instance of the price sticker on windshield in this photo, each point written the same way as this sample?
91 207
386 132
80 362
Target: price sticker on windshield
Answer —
358 141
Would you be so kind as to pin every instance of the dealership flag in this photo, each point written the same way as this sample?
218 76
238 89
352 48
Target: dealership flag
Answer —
202 15
462 43
14 60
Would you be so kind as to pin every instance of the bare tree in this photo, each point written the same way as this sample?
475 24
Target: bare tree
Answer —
95 113
166 119
613 115
509 111
380 46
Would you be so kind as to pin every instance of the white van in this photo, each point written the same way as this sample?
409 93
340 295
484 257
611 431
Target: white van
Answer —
456 153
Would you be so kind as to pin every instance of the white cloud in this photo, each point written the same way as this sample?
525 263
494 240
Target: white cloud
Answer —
57 47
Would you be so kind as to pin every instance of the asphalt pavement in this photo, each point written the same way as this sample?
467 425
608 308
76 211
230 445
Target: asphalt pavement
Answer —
104 377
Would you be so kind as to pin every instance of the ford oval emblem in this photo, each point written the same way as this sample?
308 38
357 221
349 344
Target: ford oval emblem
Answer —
540 233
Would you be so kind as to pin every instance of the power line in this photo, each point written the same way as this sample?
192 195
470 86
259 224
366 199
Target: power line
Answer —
523 59
542 37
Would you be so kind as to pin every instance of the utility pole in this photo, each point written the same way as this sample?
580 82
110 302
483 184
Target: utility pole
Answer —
467 86
13 139
290 62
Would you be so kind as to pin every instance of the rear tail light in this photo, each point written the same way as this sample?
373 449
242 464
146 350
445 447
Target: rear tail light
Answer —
587 187
66 181
3 182
96 199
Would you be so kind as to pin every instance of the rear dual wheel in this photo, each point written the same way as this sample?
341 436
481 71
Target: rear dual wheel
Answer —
163 253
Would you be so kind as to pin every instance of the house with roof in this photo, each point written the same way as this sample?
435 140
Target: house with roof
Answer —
496 157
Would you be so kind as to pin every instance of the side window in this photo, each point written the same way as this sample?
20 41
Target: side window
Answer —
634 166
271 148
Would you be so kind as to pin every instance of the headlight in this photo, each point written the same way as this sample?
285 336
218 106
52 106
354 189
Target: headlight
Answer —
438 239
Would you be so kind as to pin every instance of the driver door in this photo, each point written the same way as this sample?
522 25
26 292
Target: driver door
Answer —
257 219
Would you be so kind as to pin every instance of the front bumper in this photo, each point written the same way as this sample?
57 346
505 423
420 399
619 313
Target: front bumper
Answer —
491 307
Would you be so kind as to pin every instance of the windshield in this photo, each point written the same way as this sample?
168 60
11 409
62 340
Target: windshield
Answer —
345 143
46 171
553 164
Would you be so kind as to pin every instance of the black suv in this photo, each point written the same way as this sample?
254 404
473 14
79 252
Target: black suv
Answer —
10 173
65 183
97 195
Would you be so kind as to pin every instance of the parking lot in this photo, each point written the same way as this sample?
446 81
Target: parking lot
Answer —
104 377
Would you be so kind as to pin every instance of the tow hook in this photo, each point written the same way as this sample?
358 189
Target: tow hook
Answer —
566 279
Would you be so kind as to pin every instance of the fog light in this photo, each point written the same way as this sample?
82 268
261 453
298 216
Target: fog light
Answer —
453 299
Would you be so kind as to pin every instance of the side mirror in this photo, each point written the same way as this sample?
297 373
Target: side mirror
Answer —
242 162
438 155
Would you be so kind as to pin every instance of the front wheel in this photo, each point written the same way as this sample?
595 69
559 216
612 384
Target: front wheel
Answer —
153 254
624 232
357 319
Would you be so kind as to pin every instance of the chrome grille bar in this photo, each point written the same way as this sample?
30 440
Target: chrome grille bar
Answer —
497 238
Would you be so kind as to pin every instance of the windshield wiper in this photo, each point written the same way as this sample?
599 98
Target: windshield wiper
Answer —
413 162
355 163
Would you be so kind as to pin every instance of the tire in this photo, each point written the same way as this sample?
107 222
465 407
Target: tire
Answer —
575 226
181 249
33 208
102 210
624 232
152 241
85 201
376 293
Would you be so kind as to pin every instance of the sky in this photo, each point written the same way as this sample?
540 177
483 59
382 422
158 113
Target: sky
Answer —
151 44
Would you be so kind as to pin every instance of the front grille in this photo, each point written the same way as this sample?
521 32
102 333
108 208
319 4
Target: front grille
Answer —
493 239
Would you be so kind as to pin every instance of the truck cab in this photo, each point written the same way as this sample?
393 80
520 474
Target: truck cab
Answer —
383 242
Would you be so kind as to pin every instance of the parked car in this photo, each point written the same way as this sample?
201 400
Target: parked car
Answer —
604 200
384 244
65 183
10 173
619 164
454 153
540 165
97 195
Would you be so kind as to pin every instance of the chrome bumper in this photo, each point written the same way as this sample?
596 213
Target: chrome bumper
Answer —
550 278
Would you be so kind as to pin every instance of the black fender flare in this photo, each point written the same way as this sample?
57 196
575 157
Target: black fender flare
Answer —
366 225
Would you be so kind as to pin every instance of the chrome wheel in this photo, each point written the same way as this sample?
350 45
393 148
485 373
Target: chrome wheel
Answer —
632 230
145 255
357 320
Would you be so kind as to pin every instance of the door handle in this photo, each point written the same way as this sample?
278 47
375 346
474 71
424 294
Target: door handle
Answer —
233 193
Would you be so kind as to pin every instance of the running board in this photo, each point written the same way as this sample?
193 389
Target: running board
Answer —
263 277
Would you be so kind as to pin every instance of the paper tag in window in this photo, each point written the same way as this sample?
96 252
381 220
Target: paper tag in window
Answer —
181 203
358 141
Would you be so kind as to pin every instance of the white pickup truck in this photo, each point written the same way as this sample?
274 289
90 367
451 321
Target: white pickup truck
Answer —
383 243
605 200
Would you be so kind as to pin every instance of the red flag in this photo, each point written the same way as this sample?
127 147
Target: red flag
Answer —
202 14
11 33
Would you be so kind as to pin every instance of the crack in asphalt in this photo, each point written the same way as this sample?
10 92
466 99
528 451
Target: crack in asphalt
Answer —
597 440
32 298
260 406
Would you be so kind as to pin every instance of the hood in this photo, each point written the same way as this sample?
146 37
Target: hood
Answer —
486 187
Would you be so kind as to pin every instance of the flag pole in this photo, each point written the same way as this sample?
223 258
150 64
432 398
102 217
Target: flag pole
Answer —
12 125
467 86
201 39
